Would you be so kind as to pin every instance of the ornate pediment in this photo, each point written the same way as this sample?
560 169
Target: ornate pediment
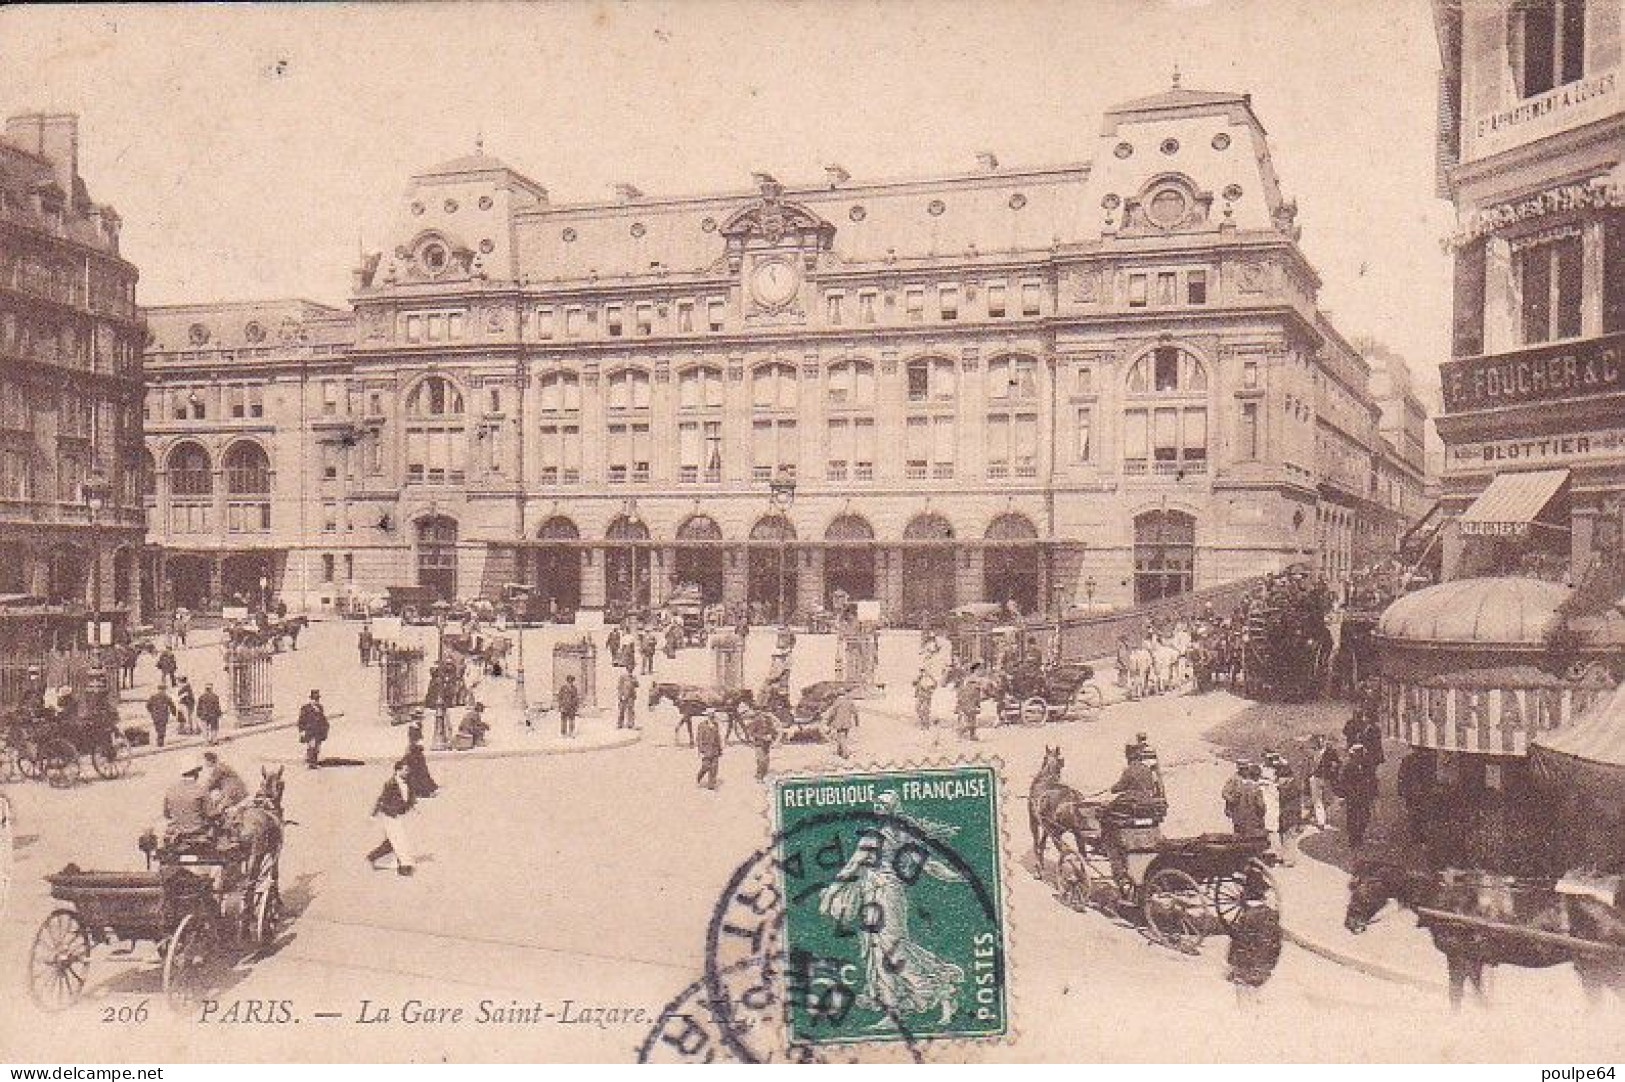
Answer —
1169 203
771 222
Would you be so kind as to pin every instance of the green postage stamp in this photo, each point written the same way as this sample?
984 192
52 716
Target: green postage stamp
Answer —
894 928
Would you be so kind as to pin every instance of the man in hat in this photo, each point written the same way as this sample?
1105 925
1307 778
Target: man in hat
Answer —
185 705
390 809
166 667
472 729
1243 803
1325 767
33 700
569 703
364 643
843 718
968 700
160 708
762 730
626 700
223 786
209 712
1137 795
186 812
1357 785
708 742
1255 939
313 729
418 779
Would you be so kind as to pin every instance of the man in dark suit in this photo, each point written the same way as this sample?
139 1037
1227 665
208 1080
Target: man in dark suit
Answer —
391 807
569 702
708 741
209 712
313 729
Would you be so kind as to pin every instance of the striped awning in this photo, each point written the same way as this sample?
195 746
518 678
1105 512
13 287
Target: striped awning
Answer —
1588 755
1512 502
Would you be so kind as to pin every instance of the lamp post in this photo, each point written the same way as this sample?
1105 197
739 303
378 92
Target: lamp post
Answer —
95 493
1089 592
781 492
521 599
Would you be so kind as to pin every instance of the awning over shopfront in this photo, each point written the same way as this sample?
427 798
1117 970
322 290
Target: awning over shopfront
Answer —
1588 755
1512 503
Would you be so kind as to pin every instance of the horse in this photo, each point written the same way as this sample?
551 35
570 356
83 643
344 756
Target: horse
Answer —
1538 934
692 701
1134 668
1055 809
1164 664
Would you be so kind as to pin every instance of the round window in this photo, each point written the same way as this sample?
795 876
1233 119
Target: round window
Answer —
569 234
487 246
451 206
485 202
434 257
1167 208
1170 146
1123 150
254 332
1017 201
639 229
708 225
936 207
1221 141
1232 192
857 214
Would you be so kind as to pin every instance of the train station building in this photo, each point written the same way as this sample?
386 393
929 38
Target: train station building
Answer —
1064 385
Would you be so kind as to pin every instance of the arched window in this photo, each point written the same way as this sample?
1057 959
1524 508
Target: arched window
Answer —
437 555
1164 555
931 380
248 470
190 471
1167 434
699 388
773 386
435 396
852 384
561 392
629 389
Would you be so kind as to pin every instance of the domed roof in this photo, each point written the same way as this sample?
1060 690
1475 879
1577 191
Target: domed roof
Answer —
1505 611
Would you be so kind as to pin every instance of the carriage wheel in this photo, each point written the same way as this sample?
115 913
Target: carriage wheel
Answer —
59 762
1231 891
186 961
1175 907
1034 711
267 916
112 757
1072 875
59 961
28 761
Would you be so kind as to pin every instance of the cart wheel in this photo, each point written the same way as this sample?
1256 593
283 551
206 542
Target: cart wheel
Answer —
1073 877
1231 891
112 758
59 760
186 961
1034 711
28 762
267 916
59 961
1091 698
1175 907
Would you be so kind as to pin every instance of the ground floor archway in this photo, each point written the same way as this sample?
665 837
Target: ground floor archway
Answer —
770 588
248 578
557 566
188 577
437 555
700 560
628 565
1010 573
929 569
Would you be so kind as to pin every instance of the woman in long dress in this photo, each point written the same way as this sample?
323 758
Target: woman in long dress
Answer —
901 977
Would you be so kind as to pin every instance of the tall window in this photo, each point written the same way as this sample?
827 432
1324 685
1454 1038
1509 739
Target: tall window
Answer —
1012 378
248 489
699 388
1549 278
436 447
1164 555
852 384
561 454
629 389
1546 43
699 452
1167 434
1247 437
773 448
1083 446
1012 445
1613 273
190 473
561 393
931 381
628 453
851 449
773 386
928 448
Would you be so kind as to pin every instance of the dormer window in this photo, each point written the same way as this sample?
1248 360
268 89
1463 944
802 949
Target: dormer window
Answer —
435 257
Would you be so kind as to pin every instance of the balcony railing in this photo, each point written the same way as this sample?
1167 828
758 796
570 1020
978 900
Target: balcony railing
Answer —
1139 467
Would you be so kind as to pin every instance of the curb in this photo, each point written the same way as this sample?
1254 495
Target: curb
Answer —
1362 965
226 736
621 741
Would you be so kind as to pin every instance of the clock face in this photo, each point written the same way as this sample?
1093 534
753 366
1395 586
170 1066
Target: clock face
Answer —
775 283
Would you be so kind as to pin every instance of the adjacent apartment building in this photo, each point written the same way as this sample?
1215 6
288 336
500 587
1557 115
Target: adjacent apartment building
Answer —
1093 383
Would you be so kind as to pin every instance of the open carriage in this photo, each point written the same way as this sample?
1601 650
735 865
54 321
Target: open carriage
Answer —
51 744
1034 694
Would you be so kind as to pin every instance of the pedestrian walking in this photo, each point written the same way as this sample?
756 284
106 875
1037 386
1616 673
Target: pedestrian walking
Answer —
185 706
925 689
418 779
843 718
160 708
1357 785
1291 790
1270 793
1325 767
166 667
569 702
648 646
968 701
209 713
626 700
1255 939
762 730
182 624
129 654
1243 802
708 741
364 645
313 729
627 654
391 807
612 644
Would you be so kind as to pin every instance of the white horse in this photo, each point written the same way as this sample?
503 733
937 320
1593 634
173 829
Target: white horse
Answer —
1135 669
1164 664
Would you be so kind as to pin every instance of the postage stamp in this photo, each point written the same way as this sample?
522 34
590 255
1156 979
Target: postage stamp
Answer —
894 926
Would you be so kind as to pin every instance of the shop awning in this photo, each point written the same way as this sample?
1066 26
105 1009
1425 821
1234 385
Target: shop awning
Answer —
1589 755
1512 503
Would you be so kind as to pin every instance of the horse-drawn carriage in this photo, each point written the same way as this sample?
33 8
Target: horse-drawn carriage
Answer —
1183 888
1034 694
685 607
265 630
194 907
50 744
803 723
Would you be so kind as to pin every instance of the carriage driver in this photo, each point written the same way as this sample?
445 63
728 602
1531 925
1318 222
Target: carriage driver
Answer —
225 787
1137 795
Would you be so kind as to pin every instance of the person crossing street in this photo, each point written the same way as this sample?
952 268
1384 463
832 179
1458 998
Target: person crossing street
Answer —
708 742
209 713
626 699
313 729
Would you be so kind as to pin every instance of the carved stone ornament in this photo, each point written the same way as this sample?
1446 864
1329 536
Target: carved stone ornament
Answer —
1085 286
496 319
772 220
376 322
1252 277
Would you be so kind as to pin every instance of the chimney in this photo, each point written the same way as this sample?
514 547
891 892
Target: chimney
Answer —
988 161
628 193
837 175
53 136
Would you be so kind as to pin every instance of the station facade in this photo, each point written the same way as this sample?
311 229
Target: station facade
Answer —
1077 385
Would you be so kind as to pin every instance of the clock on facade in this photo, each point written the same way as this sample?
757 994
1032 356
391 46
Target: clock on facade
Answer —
774 283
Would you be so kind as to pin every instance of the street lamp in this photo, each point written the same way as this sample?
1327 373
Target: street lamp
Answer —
95 492
1089 592
520 596
781 492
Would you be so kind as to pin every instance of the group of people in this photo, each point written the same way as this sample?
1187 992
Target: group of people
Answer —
198 806
192 712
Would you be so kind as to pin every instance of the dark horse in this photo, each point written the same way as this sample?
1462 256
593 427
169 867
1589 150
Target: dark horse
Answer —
692 701
1529 925
1055 809
258 826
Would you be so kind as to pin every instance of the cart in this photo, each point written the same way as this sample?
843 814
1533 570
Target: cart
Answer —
1033 695
1183 888
804 722
50 745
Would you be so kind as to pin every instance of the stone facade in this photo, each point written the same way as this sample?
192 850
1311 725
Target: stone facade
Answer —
1061 386
70 380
